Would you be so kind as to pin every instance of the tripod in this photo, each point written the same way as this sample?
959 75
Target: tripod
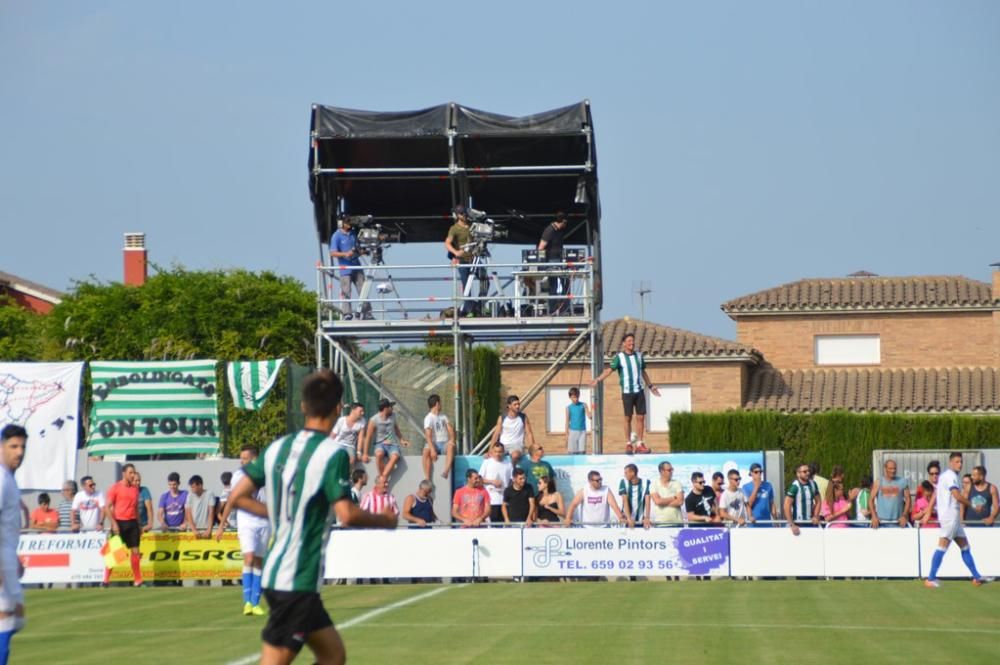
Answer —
383 285
490 292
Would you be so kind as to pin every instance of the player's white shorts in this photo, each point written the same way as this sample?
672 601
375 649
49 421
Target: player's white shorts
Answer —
951 530
253 539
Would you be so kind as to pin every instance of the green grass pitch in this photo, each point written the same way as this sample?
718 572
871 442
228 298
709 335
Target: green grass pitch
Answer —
721 621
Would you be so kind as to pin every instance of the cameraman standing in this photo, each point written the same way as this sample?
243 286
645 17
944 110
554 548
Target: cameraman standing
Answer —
552 244
343 248
458 238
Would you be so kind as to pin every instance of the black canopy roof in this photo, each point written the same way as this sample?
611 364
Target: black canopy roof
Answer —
408 169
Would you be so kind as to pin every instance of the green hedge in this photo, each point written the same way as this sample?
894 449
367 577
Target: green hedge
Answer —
485 387
830 438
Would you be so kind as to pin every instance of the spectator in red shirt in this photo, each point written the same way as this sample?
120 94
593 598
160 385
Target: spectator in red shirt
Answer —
43 517
471 504
122 508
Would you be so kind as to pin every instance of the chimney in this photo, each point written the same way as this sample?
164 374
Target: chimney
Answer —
135 259
996 280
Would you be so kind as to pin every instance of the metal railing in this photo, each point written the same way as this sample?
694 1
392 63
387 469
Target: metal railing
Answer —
490 290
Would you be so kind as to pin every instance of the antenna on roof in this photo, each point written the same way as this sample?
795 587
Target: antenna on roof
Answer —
642 289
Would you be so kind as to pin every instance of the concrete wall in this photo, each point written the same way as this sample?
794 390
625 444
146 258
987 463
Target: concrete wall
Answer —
947 339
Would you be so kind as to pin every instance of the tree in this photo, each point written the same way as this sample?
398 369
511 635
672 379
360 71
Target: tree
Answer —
180 314
20 332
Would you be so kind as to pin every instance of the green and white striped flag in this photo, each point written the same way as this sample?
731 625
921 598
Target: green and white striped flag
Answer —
251 380
147 408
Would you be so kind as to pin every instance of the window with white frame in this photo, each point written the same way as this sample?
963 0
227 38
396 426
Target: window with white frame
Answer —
556 401
847 349
673 397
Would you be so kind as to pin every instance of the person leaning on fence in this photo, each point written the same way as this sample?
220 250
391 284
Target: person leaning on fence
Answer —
835 508
199 508
170 510
700 503
890 498
66 505
760 498
923 512
518 500
596 502
984 504
43 517
470 505
634 492
379 500
862 499
88 507
733 502
548 501
418 508
802 500
666 497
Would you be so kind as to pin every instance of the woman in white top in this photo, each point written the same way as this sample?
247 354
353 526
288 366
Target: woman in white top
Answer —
513 429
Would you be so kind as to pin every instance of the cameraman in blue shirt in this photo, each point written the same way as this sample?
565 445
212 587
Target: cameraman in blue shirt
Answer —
343 248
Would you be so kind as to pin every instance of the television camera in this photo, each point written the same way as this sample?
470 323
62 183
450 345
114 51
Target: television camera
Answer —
373 238
482 231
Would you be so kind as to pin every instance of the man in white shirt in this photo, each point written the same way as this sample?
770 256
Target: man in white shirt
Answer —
440 437
496 473
666 497
596 500
733 504
949 497
349 432
88 507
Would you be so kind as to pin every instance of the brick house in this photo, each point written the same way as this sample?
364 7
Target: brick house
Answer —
925 344
29 295
693 372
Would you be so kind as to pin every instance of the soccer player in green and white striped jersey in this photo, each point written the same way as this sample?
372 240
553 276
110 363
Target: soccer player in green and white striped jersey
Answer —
802 499
633 380
303 474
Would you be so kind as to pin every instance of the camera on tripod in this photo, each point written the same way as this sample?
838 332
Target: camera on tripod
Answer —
482 231
373 239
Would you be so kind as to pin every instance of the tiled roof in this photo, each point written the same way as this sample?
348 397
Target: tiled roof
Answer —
19 283
655 341
867 293
965 389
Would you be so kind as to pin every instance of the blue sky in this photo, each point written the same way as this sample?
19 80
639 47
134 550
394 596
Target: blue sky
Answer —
741 145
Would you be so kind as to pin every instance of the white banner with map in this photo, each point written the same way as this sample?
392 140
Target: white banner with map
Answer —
44 398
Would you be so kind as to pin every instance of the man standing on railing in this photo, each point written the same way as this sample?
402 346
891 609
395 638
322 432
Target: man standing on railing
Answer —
344 248
304 474
802 501
13 439
455 242
949 497
633 379
519 500
596 501
890 498
760 497
552 244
